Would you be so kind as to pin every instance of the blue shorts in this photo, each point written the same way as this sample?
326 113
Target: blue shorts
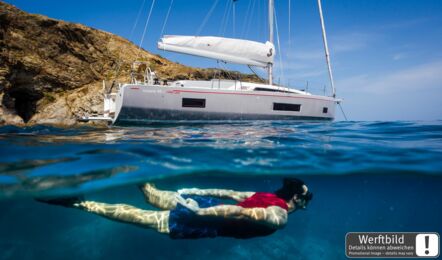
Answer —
184 223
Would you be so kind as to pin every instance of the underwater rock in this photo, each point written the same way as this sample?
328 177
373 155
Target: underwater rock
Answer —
51 71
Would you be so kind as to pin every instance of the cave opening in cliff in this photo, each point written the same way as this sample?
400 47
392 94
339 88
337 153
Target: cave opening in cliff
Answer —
25 102
25 108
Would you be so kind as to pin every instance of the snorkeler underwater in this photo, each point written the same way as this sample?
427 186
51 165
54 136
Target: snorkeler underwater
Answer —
200 215
220 129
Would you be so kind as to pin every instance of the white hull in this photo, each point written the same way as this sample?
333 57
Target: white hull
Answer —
138 104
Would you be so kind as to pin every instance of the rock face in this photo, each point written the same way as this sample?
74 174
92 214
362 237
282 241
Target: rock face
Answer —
51 71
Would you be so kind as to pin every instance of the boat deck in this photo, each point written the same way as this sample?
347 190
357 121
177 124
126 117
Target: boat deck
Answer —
223 84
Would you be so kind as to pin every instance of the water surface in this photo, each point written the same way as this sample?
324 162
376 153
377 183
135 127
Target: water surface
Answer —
366 176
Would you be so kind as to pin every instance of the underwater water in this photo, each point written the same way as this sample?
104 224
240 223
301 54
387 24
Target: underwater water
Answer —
365 176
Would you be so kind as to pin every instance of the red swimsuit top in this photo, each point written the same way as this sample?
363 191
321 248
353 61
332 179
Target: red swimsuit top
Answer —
263 200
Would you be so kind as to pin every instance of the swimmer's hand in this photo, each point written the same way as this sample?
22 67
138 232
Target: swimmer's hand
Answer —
188 191
189 203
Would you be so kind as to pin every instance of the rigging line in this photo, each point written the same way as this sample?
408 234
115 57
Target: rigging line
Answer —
250 18
224 17
327 53
117 70
207 17
167 17
342 110
227 18
145 26
137 19
254 72
279 46
266 24
260 25
246 18
290 29
223 68
119 61
234 29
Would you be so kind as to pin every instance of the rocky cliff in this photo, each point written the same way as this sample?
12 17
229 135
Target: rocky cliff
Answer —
52 71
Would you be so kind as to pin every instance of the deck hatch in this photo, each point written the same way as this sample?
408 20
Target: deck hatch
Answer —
194 102
286 107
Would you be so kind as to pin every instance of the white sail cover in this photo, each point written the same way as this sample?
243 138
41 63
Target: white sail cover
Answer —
219 48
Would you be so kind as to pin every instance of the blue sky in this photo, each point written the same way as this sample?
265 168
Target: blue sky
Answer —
386 55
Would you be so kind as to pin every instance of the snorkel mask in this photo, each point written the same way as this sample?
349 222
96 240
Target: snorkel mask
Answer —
305 199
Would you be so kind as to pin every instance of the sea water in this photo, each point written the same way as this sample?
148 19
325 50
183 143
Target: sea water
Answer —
365 176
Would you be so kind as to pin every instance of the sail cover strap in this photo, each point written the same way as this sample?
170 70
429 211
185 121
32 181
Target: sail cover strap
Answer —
219 48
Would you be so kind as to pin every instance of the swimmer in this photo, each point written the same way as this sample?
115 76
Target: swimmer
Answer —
199 213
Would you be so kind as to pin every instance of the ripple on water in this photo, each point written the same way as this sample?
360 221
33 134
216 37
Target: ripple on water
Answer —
51 158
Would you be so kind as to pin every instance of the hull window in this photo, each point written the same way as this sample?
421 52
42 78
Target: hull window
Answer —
325 110
286 107
194 102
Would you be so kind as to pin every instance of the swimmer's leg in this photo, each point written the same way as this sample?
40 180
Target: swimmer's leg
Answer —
161 198
158 220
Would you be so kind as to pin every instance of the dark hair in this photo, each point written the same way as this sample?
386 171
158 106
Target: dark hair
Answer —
291 187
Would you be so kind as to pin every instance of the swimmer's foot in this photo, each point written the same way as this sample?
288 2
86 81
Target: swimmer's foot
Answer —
150 191
147 187
69 202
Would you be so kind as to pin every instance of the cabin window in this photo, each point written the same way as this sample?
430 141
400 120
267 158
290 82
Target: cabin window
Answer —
286 107
325 110
194 102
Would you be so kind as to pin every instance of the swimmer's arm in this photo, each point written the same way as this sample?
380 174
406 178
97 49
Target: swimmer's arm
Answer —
272 216
225 194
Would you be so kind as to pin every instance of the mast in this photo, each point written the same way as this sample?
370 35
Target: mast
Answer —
327 54
270 66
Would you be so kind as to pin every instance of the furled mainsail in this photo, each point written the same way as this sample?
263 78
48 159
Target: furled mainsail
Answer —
219 48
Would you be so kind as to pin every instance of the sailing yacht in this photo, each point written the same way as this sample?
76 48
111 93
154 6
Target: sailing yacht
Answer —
150 100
